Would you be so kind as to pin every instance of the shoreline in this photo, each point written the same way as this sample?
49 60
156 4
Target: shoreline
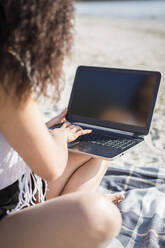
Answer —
128 10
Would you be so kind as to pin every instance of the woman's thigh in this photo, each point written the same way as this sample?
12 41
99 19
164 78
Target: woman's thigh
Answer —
45 225
75 161
61 222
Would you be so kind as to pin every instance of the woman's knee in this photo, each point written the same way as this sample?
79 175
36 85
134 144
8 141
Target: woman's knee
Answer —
101 219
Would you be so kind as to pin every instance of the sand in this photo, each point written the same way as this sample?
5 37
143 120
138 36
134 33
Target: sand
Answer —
134 44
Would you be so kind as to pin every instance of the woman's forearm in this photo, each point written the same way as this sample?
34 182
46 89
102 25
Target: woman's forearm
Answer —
61 148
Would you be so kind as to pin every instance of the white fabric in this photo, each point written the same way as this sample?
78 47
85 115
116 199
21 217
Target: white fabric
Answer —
13 168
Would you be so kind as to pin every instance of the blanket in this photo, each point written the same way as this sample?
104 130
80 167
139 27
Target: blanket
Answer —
143 210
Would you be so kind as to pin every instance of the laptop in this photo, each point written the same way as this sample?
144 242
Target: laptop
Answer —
116 104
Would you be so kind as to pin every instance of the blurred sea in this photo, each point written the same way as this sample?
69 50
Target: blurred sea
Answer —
148 9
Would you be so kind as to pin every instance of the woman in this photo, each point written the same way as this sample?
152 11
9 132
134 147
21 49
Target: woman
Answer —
34 38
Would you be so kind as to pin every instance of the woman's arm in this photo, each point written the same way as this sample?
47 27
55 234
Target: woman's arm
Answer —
58 119
26 132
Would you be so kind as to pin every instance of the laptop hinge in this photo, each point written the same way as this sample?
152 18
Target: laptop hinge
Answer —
138 135
107 129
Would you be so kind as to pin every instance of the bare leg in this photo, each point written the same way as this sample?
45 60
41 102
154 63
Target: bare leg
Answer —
87 177
74 162
82 173
67 221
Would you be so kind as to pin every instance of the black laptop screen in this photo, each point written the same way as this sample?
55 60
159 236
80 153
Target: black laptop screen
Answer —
113 96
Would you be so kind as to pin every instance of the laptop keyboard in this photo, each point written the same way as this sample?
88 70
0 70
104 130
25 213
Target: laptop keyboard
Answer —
110 140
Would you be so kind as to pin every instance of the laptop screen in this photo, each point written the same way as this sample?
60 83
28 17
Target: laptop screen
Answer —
123 97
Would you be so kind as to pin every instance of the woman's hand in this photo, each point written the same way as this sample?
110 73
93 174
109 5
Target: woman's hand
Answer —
58 119
72 131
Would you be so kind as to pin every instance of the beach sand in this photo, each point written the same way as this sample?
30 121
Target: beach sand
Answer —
133 44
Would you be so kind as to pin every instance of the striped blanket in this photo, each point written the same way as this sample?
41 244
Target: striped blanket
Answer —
143 209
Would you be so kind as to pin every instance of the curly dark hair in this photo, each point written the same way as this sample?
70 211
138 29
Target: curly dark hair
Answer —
39 35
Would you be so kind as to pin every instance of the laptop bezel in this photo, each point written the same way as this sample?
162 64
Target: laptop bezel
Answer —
137 130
